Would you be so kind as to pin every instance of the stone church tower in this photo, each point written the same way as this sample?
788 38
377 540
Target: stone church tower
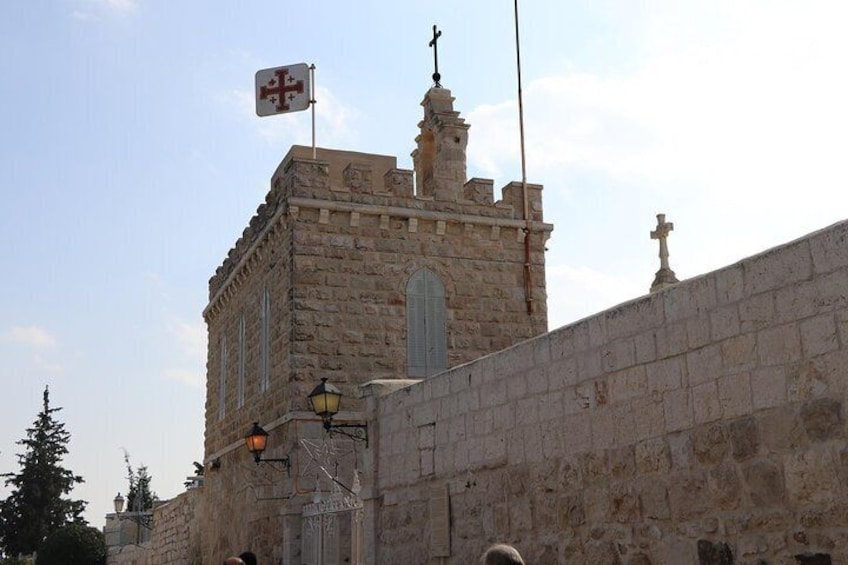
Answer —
354 270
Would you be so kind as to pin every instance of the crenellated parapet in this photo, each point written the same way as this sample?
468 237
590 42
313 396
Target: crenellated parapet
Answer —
363 184
366 184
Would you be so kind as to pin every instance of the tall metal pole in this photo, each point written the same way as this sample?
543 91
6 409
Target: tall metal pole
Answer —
312 103
528 283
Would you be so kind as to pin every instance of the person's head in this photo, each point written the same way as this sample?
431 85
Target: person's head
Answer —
502 554
248 557
233 561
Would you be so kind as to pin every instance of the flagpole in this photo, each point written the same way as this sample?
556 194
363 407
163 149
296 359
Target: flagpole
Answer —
312 103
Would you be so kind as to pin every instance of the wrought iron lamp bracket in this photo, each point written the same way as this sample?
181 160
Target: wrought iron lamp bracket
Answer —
357 432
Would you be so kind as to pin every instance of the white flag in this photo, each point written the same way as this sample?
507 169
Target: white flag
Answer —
282 89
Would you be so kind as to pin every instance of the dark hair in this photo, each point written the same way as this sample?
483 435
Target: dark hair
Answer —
502 554
249 558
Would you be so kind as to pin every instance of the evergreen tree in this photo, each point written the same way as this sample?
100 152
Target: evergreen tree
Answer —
38 503
139 496
74 544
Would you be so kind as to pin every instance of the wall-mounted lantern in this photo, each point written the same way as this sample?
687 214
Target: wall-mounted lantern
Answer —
257 441
325 400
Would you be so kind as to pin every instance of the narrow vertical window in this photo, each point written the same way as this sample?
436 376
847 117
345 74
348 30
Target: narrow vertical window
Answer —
426 318
241 363
265 341
222 378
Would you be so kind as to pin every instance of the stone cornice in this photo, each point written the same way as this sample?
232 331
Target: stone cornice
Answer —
408 213
294 204
298 416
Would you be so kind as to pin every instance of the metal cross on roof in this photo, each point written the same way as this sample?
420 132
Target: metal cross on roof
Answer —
434 44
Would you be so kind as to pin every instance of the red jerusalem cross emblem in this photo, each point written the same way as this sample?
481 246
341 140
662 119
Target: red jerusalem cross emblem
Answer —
282 89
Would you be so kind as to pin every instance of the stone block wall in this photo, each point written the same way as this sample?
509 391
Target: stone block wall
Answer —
701 424
334 247
267 268
129 555
175 538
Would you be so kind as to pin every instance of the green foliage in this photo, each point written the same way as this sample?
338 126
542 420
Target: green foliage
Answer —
74 544
139 496
37 504
16 561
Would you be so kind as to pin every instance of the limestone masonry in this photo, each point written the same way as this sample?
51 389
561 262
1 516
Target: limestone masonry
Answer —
702 423
327 263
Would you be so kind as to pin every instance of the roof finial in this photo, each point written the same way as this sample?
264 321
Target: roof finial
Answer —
434 44
665 276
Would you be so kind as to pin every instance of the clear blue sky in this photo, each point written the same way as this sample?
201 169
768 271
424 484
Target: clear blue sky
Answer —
131 160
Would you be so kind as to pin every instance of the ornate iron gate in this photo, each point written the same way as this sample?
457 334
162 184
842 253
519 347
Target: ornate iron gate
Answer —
332 531
332 526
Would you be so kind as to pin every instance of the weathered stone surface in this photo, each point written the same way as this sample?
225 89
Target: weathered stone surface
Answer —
623 463
752 545
811 476
778 267
652 456
706 402
779 345
680 448
710 443
764 482
822 419
781 429
744 438
829 249
766 520
725 486
689 496
602 553
596 503
806 380
678 410
624 505
571 511
819 335
653 497
739 353
769 387
594 468
734 392
639 559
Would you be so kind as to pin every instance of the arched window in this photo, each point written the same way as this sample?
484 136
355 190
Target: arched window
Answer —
426 319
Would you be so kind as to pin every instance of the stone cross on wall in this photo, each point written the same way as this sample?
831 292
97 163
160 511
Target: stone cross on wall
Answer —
665 276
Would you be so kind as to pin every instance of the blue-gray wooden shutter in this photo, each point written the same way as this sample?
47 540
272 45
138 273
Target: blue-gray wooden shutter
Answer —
242 360
426 320
222 378
265 340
